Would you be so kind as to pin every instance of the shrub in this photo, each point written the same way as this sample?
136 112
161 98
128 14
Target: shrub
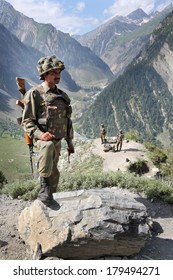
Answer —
156 155
152 188
132 135
139 167
27 190
160 191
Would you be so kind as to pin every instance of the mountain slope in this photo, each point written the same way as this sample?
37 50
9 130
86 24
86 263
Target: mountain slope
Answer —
139 99
85 67
138 15
19 60
16 59
120 39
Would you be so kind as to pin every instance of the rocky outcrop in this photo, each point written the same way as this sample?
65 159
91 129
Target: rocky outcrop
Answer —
86 224
163 64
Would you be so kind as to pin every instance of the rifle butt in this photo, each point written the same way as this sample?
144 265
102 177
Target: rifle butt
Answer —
28 139
21 86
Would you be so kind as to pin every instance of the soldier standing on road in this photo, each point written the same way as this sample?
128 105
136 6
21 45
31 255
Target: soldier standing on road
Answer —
120 137
102 133
47 120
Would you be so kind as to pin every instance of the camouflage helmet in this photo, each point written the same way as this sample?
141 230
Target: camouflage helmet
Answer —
48 63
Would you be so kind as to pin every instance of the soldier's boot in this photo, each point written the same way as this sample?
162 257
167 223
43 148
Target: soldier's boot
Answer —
53 189
44 194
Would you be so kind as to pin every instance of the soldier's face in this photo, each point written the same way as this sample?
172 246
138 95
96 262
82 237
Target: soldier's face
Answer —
53 77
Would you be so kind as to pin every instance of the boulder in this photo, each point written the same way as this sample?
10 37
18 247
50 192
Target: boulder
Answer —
85 224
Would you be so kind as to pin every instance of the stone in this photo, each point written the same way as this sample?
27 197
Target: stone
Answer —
86 224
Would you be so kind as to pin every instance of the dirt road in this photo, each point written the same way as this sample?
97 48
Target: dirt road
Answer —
131 151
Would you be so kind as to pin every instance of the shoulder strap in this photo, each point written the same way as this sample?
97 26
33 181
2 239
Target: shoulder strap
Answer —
40 89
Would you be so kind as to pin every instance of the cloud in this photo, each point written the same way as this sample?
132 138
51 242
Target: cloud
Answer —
51 11
163 5
124 7
80 6
41 10
71 18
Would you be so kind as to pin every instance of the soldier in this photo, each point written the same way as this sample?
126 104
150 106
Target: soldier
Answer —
102 133
120 137
47 120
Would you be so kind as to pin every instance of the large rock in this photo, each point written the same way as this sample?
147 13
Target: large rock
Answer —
86 224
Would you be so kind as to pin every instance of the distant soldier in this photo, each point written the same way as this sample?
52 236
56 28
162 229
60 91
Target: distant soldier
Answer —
102 133
120 137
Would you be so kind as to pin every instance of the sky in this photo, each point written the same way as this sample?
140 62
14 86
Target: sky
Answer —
80 17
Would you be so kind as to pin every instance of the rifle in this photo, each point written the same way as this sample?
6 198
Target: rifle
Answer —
21 87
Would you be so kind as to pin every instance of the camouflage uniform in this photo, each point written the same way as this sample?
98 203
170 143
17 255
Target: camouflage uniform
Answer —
120 137
102 134
47 110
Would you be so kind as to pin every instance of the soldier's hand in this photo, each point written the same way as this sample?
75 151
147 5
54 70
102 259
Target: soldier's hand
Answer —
70 148
46 136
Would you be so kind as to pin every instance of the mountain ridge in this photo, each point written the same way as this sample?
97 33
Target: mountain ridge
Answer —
140 99
124 38
45 38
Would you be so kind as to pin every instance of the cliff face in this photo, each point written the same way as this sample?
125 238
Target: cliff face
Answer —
163 64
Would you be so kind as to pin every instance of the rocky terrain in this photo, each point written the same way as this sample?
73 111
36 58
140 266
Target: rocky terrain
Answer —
158 247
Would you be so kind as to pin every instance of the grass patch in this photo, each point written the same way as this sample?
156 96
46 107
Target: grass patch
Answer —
26 190
14 161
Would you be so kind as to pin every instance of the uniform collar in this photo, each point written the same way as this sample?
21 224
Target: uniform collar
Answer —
46 88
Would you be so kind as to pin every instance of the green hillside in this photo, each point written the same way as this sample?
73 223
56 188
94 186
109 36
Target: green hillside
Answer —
14 159
139 99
